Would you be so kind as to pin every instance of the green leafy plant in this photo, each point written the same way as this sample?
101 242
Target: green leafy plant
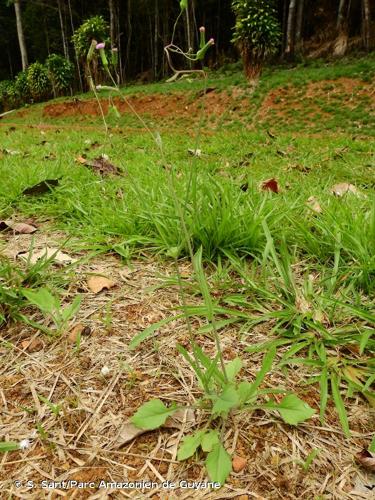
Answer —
303 316
257 33
6 446
55 408
8 95
222 394
93 28
60 71
51 306
14 280
22 87
38 81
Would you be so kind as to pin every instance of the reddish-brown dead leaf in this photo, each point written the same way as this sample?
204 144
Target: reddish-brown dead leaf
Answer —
75 332
98 283
366 459
238 463
32 345
270 185
100 165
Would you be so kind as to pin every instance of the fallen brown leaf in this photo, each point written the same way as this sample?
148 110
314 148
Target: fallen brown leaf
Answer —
180 417
32 345
98 283
366 459
313 203
47 253
343 188
127 433
270 185
75 332
100 165
42 187
238 463
17 227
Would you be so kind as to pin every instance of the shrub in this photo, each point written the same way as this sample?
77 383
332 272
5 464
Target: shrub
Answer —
22 87
8 95
94 28
257 33
60 71
38 81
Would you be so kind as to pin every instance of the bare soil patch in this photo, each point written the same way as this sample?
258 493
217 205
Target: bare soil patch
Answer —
157 105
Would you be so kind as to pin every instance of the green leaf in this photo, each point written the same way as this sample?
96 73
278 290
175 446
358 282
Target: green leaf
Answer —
233 368
147 332
372 445
266 366
194 365
292 409
335 386
323 392
245 390
189 445
218 464
209 440
152 414
203 285
71 310
43 299
226 400
8 446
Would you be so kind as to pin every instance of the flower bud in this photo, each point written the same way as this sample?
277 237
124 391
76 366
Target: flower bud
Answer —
202 51
202 41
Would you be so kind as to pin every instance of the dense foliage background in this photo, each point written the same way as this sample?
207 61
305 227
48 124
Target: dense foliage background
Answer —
141 28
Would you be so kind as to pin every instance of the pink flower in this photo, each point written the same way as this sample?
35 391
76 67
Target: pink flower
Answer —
202 29
100 45
211 41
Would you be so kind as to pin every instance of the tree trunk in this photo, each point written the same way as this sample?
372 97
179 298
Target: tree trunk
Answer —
253 62
290 30
341 43
156 40
112 22
62 27
366 26
341 15
129 35
284 24
299 25
21 38
119 43
76 56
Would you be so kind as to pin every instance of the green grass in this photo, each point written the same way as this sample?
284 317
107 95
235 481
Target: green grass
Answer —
268 255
